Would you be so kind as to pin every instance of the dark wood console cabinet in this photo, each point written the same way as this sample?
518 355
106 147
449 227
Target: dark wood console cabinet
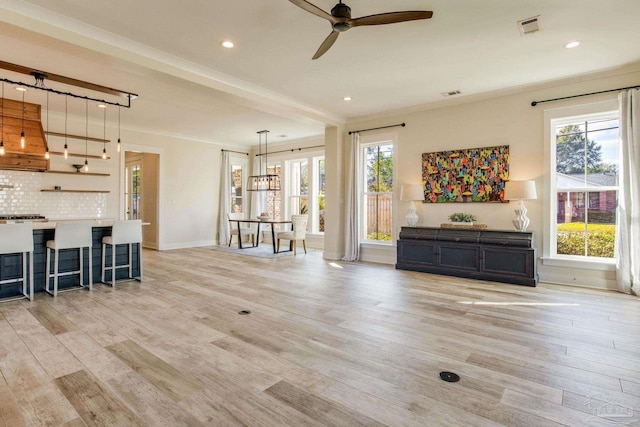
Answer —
500 256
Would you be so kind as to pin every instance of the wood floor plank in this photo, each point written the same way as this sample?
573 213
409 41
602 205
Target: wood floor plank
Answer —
331 413
95 403
172 382
51 319
10 415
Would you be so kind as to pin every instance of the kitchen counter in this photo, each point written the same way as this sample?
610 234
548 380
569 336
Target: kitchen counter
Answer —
51 224
11 265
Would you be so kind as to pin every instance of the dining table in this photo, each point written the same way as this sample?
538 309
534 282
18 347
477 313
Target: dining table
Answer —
271 222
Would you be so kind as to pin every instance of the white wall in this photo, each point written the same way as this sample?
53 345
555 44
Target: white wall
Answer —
502 120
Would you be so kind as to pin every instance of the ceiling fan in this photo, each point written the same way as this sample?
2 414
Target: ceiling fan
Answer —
341 21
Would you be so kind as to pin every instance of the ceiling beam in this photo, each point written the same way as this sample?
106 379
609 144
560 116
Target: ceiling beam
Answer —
65 80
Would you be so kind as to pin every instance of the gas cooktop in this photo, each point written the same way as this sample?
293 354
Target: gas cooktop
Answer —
18 217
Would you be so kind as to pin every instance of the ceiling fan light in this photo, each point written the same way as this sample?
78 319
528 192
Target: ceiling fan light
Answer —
572 44
228 44
347 98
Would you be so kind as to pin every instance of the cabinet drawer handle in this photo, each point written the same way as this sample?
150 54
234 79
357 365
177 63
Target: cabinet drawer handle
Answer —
457 239
504 242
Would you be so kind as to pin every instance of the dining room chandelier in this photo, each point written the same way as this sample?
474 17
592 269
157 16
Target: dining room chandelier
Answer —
266 181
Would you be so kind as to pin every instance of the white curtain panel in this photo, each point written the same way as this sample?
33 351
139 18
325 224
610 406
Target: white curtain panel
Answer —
352 220
628 244
225 198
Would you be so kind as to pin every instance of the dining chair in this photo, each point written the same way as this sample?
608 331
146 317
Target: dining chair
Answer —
298 232
241 231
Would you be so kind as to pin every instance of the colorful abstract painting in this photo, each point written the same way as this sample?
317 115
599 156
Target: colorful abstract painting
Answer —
469 175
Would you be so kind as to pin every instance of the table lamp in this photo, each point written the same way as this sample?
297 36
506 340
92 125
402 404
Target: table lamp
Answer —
410 193
520 190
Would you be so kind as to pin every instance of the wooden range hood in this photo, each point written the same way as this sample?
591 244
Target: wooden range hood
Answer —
32 157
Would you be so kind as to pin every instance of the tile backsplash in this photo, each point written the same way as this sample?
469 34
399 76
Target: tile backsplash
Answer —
20 194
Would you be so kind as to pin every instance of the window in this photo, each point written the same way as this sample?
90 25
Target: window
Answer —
298 187
239 175
274 198
377 192
318 217
585 185
237 196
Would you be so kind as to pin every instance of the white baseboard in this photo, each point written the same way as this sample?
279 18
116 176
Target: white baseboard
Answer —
582 281
185 245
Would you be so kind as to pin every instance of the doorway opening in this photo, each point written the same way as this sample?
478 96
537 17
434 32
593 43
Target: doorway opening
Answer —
141 192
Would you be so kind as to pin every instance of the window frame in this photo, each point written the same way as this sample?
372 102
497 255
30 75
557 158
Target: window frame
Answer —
365 142
558 117
311 156
243 163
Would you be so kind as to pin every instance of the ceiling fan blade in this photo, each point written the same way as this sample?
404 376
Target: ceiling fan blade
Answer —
326 44
311 8
390 18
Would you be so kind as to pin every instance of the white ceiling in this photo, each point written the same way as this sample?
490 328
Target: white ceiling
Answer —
169 53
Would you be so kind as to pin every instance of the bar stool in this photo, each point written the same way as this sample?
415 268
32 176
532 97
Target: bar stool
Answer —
69 235
122 233
14 239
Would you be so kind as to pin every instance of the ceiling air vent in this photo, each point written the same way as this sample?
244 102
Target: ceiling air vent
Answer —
452 93
529 25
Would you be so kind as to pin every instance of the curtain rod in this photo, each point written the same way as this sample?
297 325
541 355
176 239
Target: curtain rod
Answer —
291 150
403 124
534 103
231 151
128 105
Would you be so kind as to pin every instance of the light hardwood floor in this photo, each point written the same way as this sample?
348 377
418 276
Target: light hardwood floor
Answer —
342 344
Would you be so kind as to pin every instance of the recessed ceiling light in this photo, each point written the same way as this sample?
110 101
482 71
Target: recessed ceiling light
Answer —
227 44
347 98
102 106
21 89
572 44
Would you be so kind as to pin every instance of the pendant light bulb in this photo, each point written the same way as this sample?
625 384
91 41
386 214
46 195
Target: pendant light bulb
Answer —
104 153
119 127
2 148
86 165
22 133
66 115
46 154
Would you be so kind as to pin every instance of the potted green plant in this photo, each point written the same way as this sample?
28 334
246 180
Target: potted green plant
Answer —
461 218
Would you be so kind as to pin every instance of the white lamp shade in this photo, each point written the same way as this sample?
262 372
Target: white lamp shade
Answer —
520 190
411 192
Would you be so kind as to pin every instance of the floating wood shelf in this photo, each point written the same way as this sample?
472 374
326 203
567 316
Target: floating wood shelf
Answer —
78 173
49 190
77 137
90 156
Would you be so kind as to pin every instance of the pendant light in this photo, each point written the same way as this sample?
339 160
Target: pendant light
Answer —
2 126
23 90
66 148
118 128
263 182
86 136
46 153
104 134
